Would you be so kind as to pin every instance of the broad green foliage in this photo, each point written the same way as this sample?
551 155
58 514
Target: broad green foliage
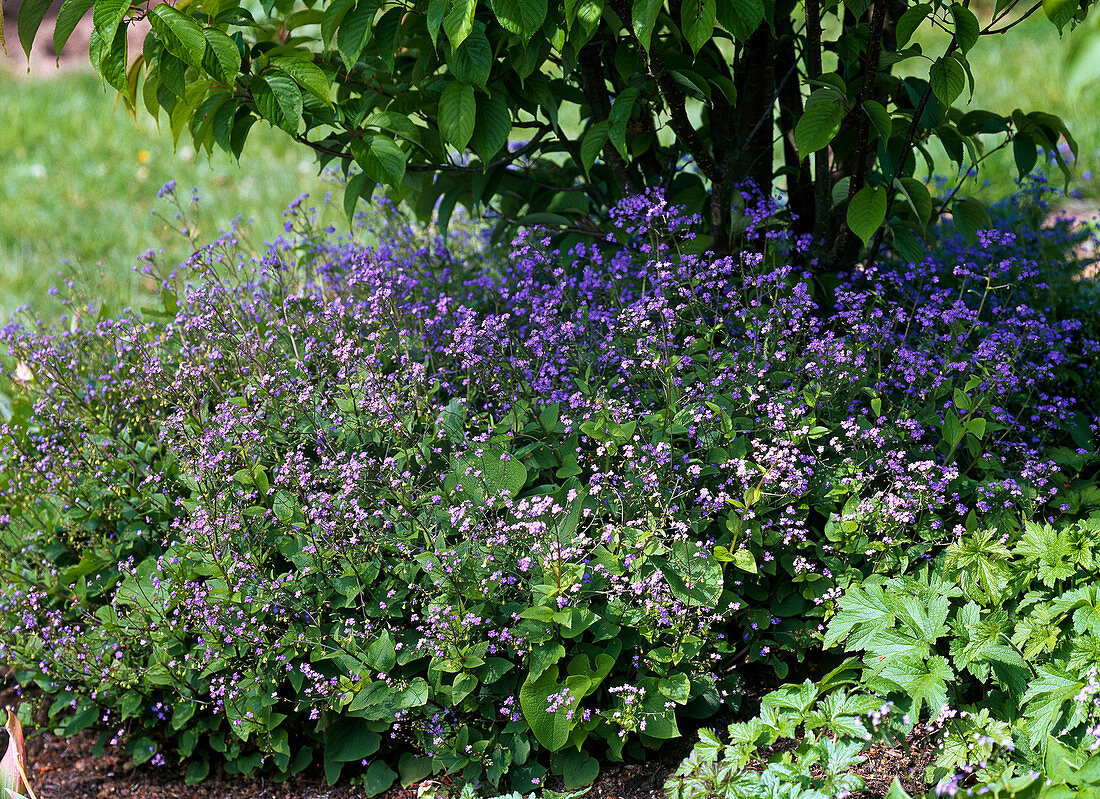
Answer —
832 725
551 111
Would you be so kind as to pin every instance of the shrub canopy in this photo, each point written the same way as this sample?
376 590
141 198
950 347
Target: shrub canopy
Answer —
553 111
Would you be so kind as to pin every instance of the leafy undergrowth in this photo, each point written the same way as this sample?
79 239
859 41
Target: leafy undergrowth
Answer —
418 509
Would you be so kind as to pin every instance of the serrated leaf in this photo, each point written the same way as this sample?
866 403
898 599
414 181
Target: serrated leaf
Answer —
381 159
224 59
31 14
966 27
1025 153
473 59
697 22
180 35
355 29
918 197
970 216
306 74
1046 698
592 144
107 15
909 22
818 124
644 19
619 117
861 606
332 18
495 119
924 681
457 114
278 99
740 18
459 21
947 78
880 118
521 17
867 211
67 19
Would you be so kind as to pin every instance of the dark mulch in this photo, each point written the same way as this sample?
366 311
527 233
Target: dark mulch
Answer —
65 768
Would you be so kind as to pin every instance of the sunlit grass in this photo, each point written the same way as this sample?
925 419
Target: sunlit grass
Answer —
78 182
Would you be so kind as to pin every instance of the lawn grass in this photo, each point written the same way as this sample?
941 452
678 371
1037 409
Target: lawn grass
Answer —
79 180
1024 68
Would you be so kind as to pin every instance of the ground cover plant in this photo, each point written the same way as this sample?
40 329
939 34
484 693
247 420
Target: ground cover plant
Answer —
424 507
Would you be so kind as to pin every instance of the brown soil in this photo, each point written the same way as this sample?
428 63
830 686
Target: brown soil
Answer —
67 769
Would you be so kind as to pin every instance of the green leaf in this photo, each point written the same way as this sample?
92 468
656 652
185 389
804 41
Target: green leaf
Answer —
355 30
348 739
521 17
1060 12
180 35
67 19
107 15
896 791
676 687
109 59
740 17
278 99
909 22
818 124
381 159
223 59
644 19
306 74
494 125
864 606
550 729
332 18
880 118
592 144
31 14
1047 696
925 682
619 117
743 559
486 474
473 59
1025 152
197 771
457 114
948 79
867 211
918 197
697 22
379 778
459 22
966 27
970 216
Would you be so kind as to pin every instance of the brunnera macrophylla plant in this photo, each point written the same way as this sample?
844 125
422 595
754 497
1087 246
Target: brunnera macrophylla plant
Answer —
413 508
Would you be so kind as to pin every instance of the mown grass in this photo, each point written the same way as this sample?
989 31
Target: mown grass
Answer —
78 182
1026 68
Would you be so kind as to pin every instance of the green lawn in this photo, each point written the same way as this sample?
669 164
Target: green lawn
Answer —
1024 68
78 180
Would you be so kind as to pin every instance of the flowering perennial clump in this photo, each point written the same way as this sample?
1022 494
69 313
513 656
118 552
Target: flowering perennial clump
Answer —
418 506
